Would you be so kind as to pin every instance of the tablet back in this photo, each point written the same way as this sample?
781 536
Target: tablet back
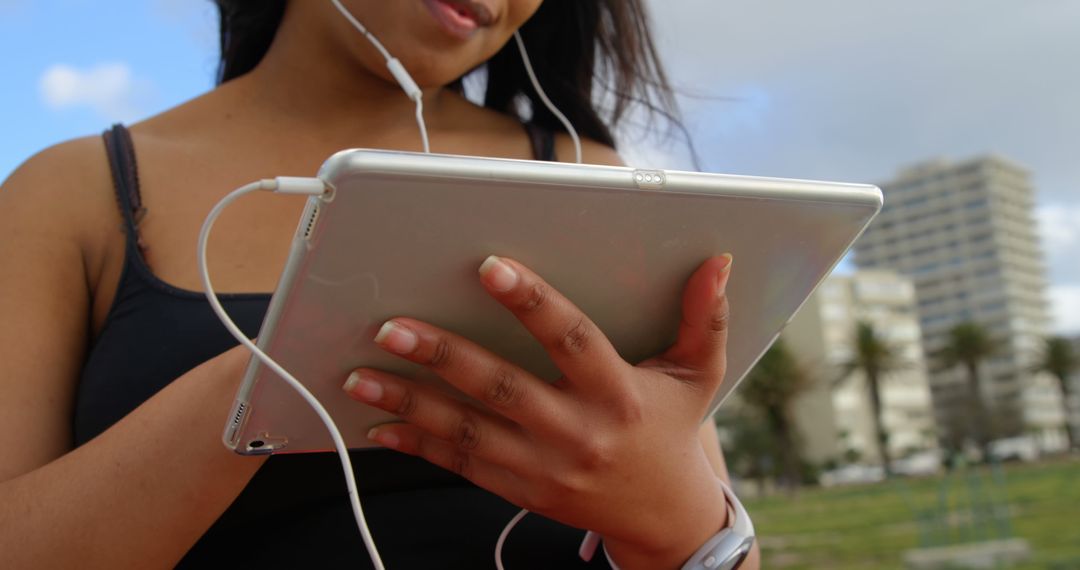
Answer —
403 235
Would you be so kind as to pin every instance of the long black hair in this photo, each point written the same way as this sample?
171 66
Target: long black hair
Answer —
595 58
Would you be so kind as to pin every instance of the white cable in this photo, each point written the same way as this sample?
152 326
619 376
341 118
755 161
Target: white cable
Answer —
543 97
397 70
423 127
335 434
505 533
413 91
577 155
356 24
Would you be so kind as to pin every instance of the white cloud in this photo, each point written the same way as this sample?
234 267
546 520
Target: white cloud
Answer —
1059 225
1065 300
109 89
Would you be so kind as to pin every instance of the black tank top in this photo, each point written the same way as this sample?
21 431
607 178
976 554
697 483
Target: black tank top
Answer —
295 511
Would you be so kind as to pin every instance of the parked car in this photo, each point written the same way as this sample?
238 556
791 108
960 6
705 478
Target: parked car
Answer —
852 474
1021 448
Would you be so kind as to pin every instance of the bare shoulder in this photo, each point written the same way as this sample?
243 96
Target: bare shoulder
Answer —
505 135
592 151
59 183
62 198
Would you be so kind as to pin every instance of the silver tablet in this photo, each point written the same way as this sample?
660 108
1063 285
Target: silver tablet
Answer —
403 234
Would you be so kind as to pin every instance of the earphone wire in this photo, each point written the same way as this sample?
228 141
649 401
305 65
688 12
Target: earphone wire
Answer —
413 92
577 157
335 433
544 98
356 24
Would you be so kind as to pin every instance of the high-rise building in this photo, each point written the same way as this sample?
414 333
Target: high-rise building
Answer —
965 234
835 417
1072 405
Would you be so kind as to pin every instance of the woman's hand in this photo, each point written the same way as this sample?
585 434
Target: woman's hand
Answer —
609 447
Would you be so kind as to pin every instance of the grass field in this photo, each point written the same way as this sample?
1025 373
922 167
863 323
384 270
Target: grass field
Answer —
870 526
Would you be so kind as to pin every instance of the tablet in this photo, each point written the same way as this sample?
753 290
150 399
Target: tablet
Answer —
403 234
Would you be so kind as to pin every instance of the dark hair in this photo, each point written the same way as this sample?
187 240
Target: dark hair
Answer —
595 59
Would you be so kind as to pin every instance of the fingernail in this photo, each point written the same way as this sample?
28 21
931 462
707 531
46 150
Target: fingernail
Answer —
364 388
725 273
385 439
397 338
498 274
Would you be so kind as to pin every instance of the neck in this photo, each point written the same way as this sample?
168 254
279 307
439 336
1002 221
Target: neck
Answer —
308 83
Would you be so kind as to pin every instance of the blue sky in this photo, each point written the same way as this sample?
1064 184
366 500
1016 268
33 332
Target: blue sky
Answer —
166 47
831 89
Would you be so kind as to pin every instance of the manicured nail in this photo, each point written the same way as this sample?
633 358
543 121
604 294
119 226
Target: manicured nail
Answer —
498 274
385 439
397 338
364 388
725 273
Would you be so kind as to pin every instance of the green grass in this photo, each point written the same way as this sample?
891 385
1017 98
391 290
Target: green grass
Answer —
870 526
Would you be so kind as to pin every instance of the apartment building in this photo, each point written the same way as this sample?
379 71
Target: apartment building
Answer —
966 236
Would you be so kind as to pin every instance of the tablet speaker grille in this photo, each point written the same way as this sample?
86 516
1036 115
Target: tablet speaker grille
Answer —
313 217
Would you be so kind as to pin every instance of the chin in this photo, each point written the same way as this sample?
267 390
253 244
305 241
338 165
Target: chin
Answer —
438 68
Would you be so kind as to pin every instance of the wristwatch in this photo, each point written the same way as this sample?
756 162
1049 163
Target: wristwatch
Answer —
726 550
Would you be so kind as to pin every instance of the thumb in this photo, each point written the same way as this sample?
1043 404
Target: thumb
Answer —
702 340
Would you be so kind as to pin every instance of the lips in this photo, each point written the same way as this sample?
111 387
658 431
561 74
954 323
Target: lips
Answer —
477 11
460 18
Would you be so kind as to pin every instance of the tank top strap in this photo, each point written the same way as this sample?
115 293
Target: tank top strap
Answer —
542 140
125 174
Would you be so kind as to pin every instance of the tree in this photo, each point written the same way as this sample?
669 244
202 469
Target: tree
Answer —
874 358
771 387
968 345
750 450
1059 360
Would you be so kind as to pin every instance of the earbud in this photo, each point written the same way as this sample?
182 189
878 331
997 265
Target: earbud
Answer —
397 70
413 92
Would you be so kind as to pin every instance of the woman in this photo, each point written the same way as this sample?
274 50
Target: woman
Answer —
117 377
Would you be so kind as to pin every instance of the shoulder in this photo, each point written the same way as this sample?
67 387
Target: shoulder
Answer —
59 192
60 171
508 133
592 152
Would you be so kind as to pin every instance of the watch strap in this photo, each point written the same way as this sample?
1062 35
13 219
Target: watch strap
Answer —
727 549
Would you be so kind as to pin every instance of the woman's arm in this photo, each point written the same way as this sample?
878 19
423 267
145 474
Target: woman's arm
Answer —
141 493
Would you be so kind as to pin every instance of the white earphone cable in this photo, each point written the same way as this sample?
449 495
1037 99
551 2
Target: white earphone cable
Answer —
356 24
335 434
412 90
577 156
309 187
547 102
505 533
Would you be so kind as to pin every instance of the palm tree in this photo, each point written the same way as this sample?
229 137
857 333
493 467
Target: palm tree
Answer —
771 387
874 357
968 345
1059 360
750 449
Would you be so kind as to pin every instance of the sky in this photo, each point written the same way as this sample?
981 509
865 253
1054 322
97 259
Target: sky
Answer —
849 90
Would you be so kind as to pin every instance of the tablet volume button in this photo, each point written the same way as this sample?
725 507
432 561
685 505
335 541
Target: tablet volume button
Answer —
649 179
